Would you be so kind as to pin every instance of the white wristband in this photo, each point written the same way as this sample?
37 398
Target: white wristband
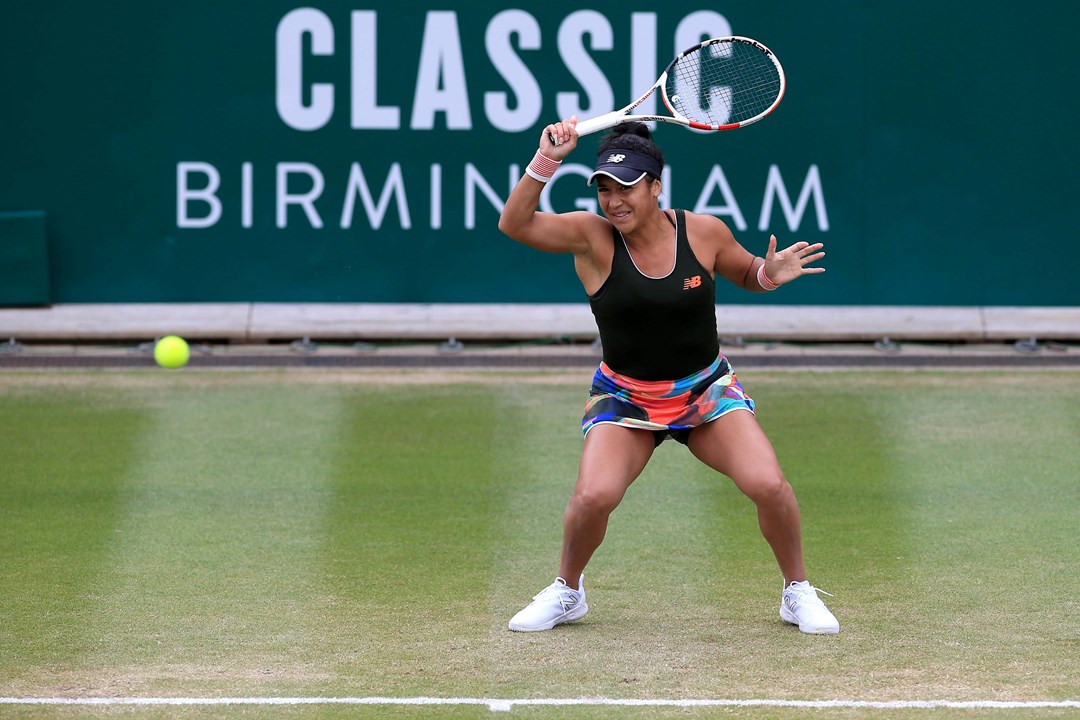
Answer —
763 279
542 168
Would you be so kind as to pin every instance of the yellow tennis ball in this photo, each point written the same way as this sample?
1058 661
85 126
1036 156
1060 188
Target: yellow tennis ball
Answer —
171 352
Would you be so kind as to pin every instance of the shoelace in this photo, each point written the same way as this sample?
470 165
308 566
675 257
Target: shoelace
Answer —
808 593
560 593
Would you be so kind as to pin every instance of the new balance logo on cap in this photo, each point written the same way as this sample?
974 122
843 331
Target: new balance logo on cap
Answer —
615 158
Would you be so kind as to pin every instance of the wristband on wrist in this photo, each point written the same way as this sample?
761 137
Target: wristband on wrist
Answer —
763 279
542 168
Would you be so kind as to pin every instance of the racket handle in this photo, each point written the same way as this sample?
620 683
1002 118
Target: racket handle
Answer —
600 122
596 124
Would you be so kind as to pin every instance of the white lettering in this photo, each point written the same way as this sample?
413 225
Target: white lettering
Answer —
694 28
440 81
718 181
576 58
501 51
201 182
587 202
185 194
394 186
643 69
473 180
774 187
367 114
246 200
305 200
436 196
290 90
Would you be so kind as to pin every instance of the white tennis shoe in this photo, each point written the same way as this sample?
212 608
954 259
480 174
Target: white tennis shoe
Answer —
556 604
801 606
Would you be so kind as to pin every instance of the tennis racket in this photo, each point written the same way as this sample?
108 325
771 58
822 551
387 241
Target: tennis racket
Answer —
720 84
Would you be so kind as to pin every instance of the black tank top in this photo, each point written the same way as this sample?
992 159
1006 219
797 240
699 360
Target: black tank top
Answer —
657 328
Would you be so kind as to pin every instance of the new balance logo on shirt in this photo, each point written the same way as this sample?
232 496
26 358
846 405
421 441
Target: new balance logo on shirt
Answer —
691 282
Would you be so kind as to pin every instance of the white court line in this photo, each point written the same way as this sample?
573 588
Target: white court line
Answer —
505 705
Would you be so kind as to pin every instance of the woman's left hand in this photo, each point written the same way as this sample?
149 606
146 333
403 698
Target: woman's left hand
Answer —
785 265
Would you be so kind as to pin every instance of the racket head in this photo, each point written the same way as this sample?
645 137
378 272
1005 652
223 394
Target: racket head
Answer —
723 83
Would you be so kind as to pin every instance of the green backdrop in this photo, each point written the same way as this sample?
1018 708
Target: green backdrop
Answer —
270 151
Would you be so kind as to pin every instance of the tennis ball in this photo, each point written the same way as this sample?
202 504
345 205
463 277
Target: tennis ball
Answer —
171 352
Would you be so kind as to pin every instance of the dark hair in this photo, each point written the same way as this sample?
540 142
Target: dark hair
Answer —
634 136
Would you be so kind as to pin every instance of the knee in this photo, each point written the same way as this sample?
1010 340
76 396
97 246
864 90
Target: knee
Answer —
767 488
592 501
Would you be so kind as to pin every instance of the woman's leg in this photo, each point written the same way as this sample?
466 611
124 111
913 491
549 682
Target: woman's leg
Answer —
612 458
735 445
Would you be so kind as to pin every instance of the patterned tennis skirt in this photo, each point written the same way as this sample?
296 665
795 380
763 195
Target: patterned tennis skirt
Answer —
668 408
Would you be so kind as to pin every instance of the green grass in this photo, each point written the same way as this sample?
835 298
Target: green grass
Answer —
323 534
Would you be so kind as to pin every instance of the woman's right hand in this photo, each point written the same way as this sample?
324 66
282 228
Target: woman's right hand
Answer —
559 139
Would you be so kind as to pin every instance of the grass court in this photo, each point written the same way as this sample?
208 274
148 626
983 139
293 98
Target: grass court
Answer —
362 534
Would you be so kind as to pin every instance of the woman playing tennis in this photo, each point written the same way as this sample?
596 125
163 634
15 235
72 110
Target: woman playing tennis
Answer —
649 275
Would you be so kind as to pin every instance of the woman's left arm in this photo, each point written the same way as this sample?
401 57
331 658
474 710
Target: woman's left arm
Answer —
716 247
783 266
733 262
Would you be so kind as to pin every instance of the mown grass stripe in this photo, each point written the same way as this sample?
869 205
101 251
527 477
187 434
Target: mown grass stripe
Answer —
65 462
216 549
989 491
406 555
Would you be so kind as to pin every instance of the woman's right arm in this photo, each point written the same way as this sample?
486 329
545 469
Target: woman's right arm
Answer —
549 232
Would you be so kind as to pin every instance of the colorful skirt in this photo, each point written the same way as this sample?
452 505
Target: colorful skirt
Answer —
668 408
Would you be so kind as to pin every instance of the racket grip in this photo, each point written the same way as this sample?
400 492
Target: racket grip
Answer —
595 124
598 123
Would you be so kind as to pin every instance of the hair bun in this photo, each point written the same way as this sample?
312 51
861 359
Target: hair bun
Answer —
633 128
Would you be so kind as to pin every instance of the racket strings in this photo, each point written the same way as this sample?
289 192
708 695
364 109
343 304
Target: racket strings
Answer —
722 84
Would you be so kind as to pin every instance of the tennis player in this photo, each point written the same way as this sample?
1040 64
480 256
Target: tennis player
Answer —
649 275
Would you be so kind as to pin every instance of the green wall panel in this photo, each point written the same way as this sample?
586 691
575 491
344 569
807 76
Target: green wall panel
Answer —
926 144
24 259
